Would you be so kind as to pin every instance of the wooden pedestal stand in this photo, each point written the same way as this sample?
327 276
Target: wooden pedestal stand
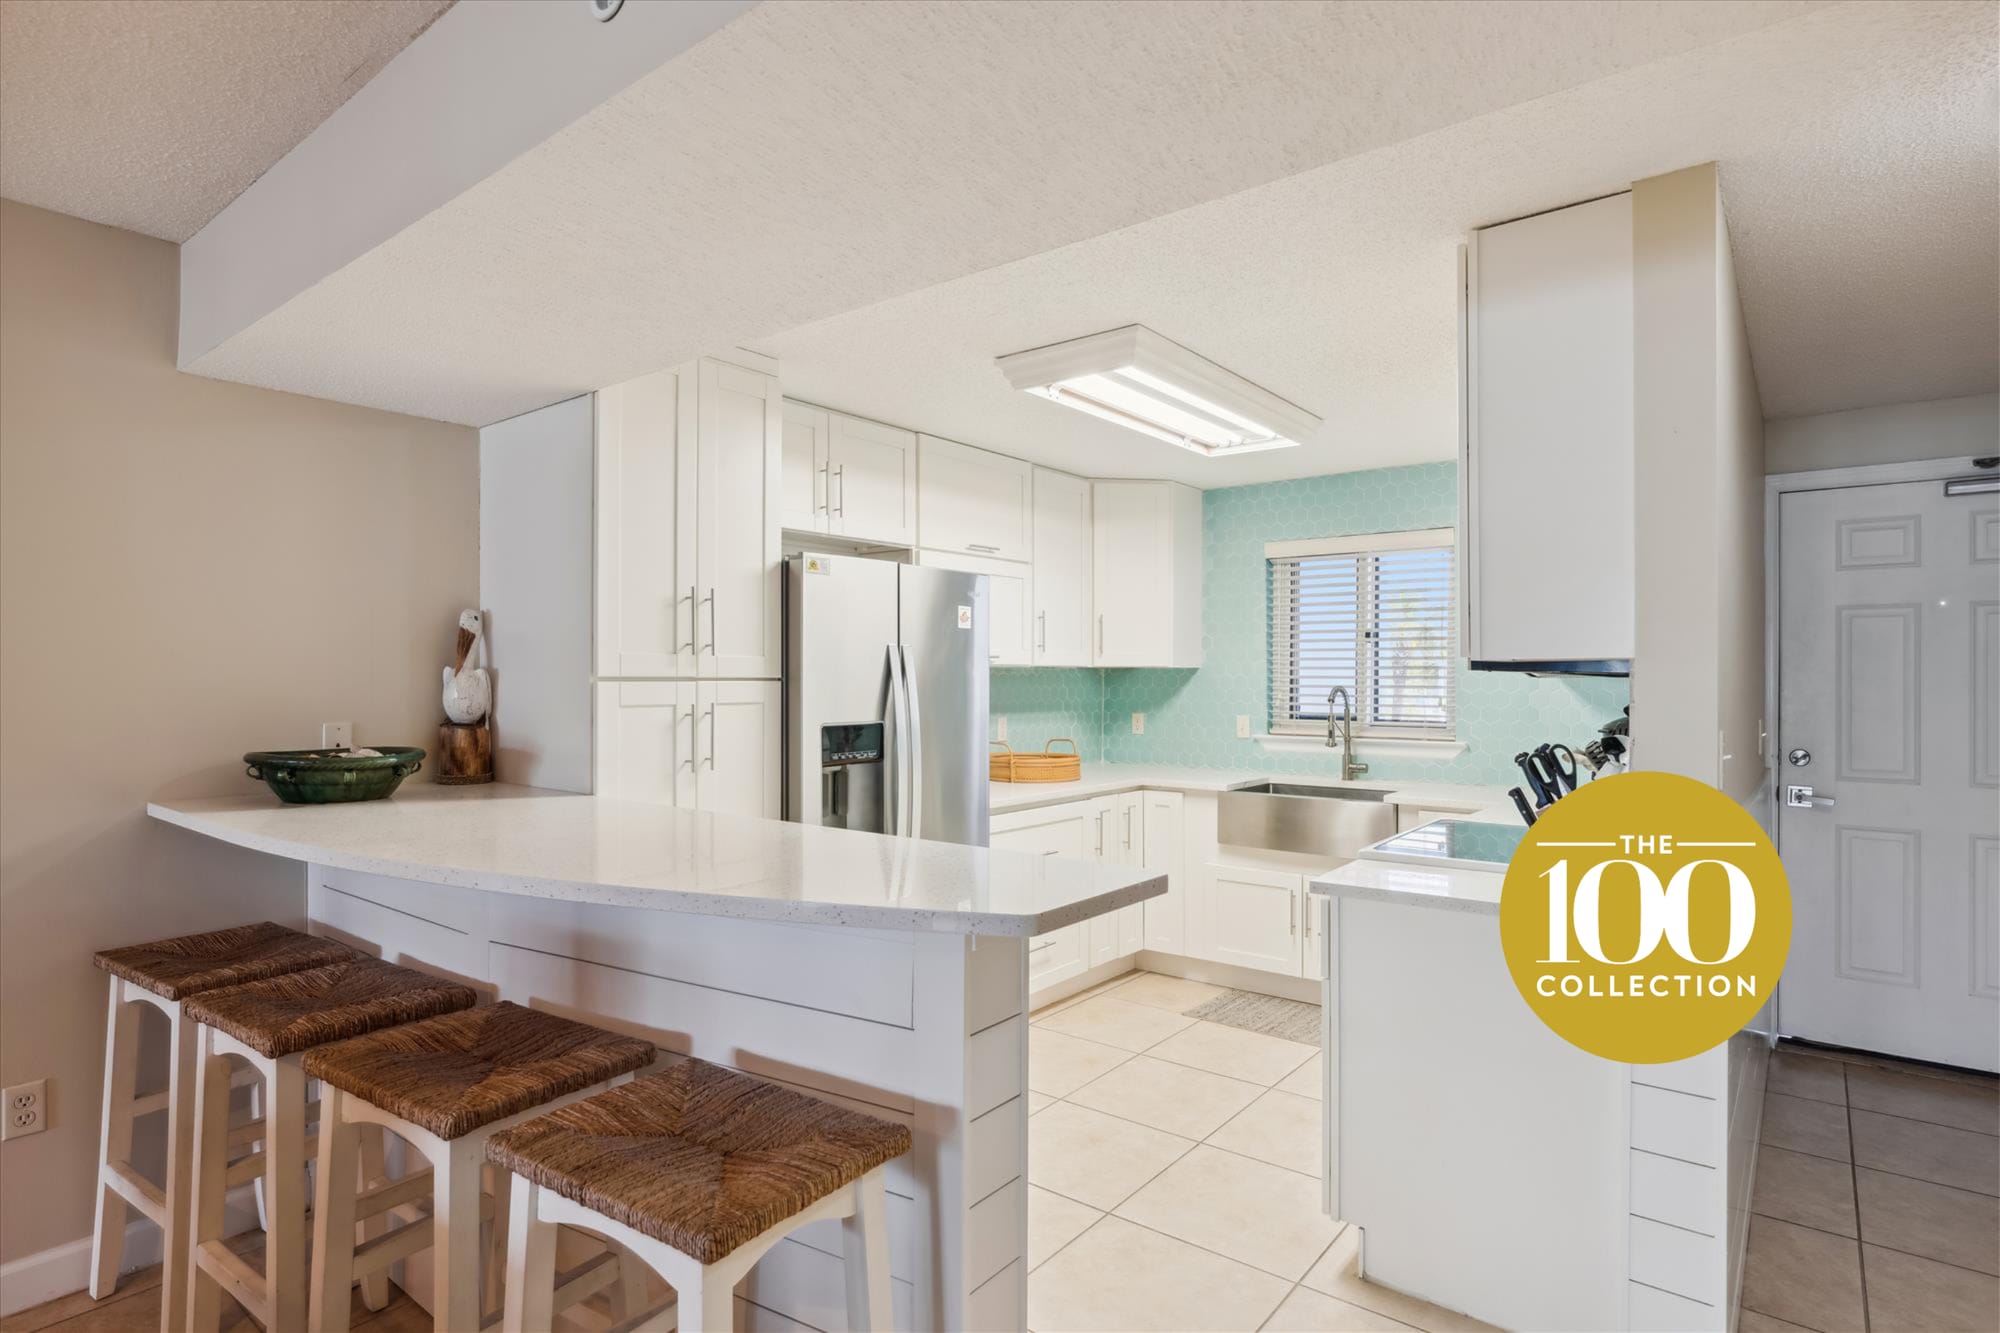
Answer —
465 753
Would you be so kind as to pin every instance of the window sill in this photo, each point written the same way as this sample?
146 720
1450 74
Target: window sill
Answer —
1385 747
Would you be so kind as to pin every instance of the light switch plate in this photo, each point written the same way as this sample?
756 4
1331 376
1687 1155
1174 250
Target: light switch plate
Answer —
1138 724
1242 726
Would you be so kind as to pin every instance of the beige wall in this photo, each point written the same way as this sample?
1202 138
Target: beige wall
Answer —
188 570
1898 433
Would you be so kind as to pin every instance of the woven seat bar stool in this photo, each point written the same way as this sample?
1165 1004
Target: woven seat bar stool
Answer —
444 1086
699 1171
268 1025
163 973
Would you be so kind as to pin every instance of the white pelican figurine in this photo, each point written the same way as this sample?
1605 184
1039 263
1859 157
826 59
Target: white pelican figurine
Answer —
468 694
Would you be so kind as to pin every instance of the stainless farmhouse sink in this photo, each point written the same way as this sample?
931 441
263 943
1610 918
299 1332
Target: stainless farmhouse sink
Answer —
1298 817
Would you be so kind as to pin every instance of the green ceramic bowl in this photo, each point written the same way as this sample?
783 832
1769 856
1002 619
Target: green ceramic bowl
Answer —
320 777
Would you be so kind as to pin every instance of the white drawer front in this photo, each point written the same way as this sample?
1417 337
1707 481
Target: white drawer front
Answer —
1676 1125
1667 1189
1656 1311
1677 1261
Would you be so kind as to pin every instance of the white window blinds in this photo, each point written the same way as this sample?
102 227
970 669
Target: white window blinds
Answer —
1378 621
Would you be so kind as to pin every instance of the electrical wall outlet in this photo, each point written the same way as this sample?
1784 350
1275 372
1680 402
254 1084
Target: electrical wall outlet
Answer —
27 1109
336 735
1000 727
1242 726
1138 724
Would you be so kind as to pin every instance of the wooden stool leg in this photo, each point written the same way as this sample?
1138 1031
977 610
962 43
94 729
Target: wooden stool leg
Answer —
707 1302
455 1234
531 1262
183 1087
114 1142
285 1271
864 1241
373 1171
493 1247
211 1183
333 1217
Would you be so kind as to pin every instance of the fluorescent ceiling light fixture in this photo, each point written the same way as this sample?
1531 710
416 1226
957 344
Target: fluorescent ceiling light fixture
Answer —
1134 378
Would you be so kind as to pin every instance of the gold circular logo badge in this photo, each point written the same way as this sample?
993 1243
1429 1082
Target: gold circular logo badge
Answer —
1645 917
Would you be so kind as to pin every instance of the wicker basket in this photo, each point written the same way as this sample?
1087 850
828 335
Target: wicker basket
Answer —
1044 766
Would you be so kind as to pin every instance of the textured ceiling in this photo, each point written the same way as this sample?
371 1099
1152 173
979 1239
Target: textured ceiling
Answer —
811 159
1859 169
153 114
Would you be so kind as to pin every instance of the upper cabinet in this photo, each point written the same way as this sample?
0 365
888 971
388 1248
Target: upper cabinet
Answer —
1062 625
688 524
847 477
973 501
1146 570
1546 437
1010 589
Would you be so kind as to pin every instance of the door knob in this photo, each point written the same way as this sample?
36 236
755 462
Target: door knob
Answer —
1803 798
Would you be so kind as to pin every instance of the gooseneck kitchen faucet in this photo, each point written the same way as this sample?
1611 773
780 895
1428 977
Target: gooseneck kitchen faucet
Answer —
1342 724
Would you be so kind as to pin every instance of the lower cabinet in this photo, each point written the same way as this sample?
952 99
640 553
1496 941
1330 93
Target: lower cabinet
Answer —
705 745
1122 829
1255 917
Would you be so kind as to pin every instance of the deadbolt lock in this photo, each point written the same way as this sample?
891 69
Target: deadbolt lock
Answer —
1799 758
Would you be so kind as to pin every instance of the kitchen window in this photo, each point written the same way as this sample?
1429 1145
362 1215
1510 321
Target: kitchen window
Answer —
1372 613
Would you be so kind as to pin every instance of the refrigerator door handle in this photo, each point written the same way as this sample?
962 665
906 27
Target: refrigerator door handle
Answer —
899 747
916 745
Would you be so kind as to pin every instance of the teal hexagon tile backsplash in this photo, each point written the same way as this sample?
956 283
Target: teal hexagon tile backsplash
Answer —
1191 714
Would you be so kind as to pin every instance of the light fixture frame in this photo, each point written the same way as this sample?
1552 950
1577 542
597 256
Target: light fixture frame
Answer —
1043 370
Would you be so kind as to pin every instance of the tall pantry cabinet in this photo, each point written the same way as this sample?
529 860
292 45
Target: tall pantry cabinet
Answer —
688 644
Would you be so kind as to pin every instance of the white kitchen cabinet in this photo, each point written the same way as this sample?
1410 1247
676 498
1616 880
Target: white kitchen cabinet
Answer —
646 741
849 477
702 745
1315 912
1146 541
1546 437
973 501
688 524
1165 917
1010 593
1069 829
646 590
802 464
1108 933
1255 917
1062 587
737 527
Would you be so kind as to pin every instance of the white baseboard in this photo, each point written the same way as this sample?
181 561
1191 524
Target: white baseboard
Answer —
61 1269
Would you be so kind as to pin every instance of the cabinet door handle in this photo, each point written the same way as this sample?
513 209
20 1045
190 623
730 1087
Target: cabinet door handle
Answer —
688 764
1128 828
1293 901
975 546
711 622
711 737
694 611
1100 632
825 496
840 485
1042 630
1100 833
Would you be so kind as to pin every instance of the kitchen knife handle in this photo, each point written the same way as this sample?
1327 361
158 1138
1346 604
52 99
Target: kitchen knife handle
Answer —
1521 804
1526 763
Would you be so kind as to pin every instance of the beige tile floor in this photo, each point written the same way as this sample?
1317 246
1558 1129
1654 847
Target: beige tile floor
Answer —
1877 1199
1173 1173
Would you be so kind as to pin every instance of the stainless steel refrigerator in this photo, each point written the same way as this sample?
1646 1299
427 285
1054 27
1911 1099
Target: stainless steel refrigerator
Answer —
885 697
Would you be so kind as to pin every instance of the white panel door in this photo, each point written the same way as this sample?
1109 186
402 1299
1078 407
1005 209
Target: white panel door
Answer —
872 482
645 527
1166 916
739 734
737 528
1062 569
973 501
803 467
1055 830
1256 917
1128 836
646 741
1010 593
1889 710
1146 562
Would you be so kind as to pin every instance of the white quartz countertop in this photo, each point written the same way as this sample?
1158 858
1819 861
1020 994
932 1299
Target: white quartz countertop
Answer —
545 844
1445 887
1108 779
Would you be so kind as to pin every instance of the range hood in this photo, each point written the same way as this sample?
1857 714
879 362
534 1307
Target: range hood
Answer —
1583 666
